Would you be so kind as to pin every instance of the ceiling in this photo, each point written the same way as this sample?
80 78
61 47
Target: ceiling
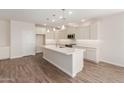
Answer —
38 16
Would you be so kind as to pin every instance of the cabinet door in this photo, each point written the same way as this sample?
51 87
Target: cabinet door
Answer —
40 30
93 31
62 35
91 54
83 33
50 35
81 47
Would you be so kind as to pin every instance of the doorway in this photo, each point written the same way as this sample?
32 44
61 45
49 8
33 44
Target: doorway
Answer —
40 41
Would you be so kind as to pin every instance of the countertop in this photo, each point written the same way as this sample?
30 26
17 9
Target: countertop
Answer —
64 50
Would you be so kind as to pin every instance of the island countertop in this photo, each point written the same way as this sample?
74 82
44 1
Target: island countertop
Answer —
63 50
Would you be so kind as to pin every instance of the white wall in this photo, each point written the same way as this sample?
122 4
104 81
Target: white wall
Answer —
4 52
4 33
22 39
112 39
4 39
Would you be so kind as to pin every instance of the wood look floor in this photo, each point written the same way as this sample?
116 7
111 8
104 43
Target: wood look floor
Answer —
34 69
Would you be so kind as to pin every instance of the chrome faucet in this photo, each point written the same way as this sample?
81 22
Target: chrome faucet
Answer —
57 43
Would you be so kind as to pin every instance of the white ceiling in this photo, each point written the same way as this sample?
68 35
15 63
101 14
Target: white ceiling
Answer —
39 16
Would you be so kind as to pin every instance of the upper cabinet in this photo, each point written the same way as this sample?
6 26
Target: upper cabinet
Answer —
62 34
89 32
50 35
40 30
82 33
93 31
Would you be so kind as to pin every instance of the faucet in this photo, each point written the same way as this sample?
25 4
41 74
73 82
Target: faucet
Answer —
57 43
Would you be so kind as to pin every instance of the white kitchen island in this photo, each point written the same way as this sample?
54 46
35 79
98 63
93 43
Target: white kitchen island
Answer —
69 60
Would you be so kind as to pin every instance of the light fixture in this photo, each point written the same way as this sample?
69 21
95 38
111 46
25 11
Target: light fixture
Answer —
47 26
48 30
70 12
63 18
83 20
60 17
44 24
53 20
63 27
54 29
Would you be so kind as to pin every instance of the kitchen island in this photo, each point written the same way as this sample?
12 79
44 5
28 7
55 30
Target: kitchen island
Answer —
69 60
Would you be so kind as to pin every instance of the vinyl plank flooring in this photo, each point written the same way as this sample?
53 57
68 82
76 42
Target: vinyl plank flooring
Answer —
34 69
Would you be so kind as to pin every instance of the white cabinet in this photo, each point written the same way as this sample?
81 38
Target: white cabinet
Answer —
82 33
81 47
91 54
62 35
89 32
93 31
50 35
40 30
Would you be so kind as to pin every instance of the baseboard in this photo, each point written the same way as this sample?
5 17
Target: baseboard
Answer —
120 65
91 61
21 56
15 57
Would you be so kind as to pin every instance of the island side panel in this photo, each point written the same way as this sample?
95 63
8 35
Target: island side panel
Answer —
78 62
60 60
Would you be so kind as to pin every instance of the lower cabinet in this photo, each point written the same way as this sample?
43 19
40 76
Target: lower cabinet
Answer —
90 53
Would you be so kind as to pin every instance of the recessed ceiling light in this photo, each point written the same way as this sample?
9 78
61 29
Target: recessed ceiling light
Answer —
44 24
53 20
70 12
60 17
83 20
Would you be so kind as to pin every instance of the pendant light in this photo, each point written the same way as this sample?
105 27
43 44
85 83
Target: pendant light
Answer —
54 29
63 26
48 30
53 20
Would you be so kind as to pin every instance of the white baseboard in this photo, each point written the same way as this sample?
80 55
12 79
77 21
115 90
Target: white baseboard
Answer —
91 61
13 57
116 64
